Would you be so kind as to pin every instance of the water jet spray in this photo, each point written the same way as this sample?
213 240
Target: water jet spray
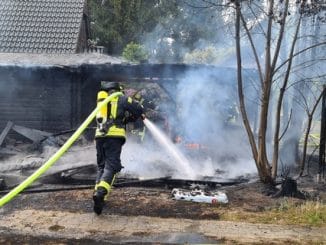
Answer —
181 160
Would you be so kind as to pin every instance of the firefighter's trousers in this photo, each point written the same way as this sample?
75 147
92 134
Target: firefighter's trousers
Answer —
108 151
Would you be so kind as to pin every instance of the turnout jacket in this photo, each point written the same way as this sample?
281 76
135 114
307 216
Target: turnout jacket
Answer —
118 112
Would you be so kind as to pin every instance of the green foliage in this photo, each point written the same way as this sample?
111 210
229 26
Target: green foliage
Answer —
168 28
134 52
115 23
208 55
201 56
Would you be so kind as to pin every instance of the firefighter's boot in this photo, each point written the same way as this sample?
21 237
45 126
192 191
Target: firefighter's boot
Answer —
98 198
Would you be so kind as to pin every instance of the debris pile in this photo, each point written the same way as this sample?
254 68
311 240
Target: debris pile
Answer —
199 195
23 149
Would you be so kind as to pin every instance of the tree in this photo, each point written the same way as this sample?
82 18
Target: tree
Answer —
279 17
167 28
115 23
187 30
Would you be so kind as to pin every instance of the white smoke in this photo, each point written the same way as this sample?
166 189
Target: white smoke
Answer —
203 100
206 102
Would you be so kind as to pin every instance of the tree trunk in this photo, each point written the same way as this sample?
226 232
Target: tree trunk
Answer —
240 87
322 143
276 140
263 164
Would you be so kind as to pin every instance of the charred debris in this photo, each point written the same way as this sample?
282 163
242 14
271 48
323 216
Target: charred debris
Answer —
81 176
43 103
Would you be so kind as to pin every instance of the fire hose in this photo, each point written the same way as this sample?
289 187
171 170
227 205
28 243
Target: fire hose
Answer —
8 197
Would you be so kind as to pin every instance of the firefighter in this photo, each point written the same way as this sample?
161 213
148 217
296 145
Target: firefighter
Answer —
110 136
138 127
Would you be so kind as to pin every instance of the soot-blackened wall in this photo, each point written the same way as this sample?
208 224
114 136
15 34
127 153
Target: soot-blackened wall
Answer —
47 98
58 98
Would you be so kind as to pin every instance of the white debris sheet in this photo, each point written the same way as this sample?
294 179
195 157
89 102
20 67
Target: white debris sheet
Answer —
199 196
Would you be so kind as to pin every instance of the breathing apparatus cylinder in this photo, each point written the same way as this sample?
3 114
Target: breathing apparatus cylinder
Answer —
102 115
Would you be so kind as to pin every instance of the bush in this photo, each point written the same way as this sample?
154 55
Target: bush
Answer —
134 52
208 55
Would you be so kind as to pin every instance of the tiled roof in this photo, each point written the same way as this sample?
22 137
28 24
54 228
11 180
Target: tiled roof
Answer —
40 26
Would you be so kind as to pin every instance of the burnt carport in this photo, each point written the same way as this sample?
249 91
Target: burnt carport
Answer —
56 93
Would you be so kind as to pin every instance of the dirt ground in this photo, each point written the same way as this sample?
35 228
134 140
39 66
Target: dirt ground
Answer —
148 215
138 215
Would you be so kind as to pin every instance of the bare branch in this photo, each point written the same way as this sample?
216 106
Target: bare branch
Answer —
287 126
298 101
259 7
253 49
307 64
310 116
306 80
304 101
298 67
280 37
218 5
209 4
300 52
196 6
254 14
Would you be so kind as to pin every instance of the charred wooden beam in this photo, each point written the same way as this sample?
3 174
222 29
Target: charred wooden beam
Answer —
146 72
32 134
165 182
120 72
5 131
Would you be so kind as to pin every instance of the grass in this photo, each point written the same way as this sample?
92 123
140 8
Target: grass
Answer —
288 212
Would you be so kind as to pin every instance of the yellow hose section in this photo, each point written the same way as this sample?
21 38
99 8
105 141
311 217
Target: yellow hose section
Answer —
57 155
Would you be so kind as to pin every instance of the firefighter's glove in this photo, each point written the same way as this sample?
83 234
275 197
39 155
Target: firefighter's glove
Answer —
143 116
